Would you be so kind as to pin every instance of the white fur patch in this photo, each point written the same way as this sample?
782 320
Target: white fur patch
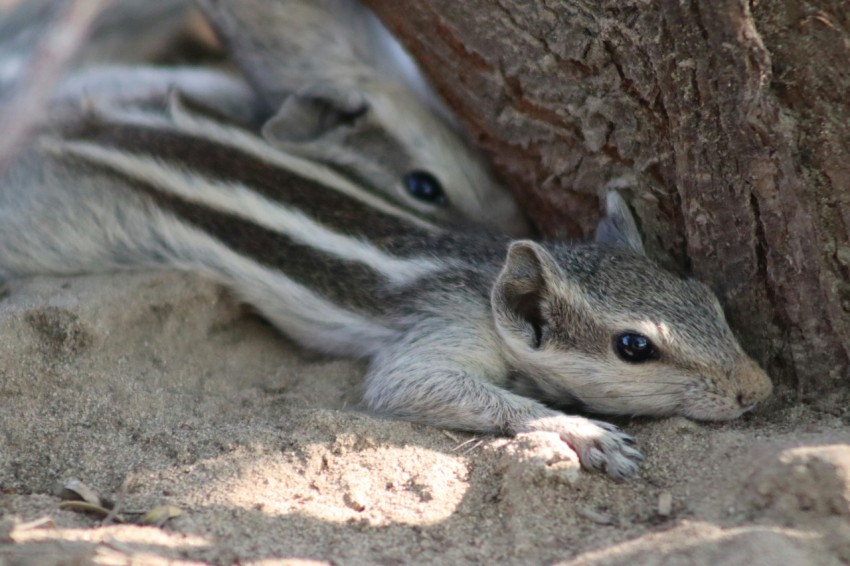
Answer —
116 85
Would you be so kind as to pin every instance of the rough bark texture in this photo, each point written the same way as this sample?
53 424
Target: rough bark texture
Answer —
728 121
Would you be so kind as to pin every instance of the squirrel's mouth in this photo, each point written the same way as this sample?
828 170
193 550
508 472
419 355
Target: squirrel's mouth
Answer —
708 406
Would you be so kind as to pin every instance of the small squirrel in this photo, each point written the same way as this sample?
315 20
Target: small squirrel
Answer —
464 328
344 92
355 104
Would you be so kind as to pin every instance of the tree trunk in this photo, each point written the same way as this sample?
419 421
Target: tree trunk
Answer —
728 122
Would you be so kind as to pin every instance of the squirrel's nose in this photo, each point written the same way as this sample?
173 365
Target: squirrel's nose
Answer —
744 401
755 385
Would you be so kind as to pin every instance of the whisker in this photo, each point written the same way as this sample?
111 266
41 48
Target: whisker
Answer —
473 447
466 443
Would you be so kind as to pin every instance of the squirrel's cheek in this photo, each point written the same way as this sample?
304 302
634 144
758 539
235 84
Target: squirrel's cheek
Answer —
611 386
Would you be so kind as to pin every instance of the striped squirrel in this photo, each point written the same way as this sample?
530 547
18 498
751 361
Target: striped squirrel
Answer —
464 329
361 108
344 92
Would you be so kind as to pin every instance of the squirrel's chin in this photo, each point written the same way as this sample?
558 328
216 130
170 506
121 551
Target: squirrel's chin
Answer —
713 408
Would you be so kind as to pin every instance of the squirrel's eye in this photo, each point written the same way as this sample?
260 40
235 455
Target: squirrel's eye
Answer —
634 348
425 187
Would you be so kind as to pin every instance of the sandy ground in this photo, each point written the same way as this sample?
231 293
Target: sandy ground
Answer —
157 389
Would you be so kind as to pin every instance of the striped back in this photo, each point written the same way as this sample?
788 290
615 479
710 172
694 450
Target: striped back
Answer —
315 252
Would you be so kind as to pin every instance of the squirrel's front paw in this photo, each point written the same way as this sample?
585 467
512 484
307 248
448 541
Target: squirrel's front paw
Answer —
599 445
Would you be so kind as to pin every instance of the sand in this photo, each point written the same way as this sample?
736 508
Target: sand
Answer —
159 389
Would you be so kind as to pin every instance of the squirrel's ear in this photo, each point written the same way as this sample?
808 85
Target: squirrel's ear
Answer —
311 114
618 227
528 280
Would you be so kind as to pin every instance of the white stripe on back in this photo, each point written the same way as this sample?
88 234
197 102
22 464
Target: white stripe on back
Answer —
304 315
238 200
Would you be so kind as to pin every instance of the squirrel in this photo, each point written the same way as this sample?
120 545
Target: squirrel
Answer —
357 106
464 328
344 92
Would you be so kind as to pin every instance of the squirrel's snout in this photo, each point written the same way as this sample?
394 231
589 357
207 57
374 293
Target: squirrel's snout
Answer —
742 389
754 385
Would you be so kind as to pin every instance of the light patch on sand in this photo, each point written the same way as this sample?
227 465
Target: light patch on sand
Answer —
703 542
380 485
116 535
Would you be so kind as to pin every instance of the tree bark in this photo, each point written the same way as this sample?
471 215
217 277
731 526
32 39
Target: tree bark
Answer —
728 122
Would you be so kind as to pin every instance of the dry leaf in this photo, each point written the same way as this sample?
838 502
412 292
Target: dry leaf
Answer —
158 516
75 490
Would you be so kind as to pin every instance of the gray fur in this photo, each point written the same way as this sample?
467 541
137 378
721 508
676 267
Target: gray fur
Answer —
127 31
470 331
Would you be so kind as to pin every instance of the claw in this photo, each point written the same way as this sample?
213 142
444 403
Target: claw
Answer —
599 445
633 454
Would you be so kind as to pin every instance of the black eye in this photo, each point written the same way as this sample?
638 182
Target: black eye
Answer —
425 187
634 348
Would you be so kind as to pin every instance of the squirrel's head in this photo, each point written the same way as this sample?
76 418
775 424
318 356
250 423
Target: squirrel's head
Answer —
386 139
604 326
341 90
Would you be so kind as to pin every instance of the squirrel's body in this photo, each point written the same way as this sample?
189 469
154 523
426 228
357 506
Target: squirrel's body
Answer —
458 336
